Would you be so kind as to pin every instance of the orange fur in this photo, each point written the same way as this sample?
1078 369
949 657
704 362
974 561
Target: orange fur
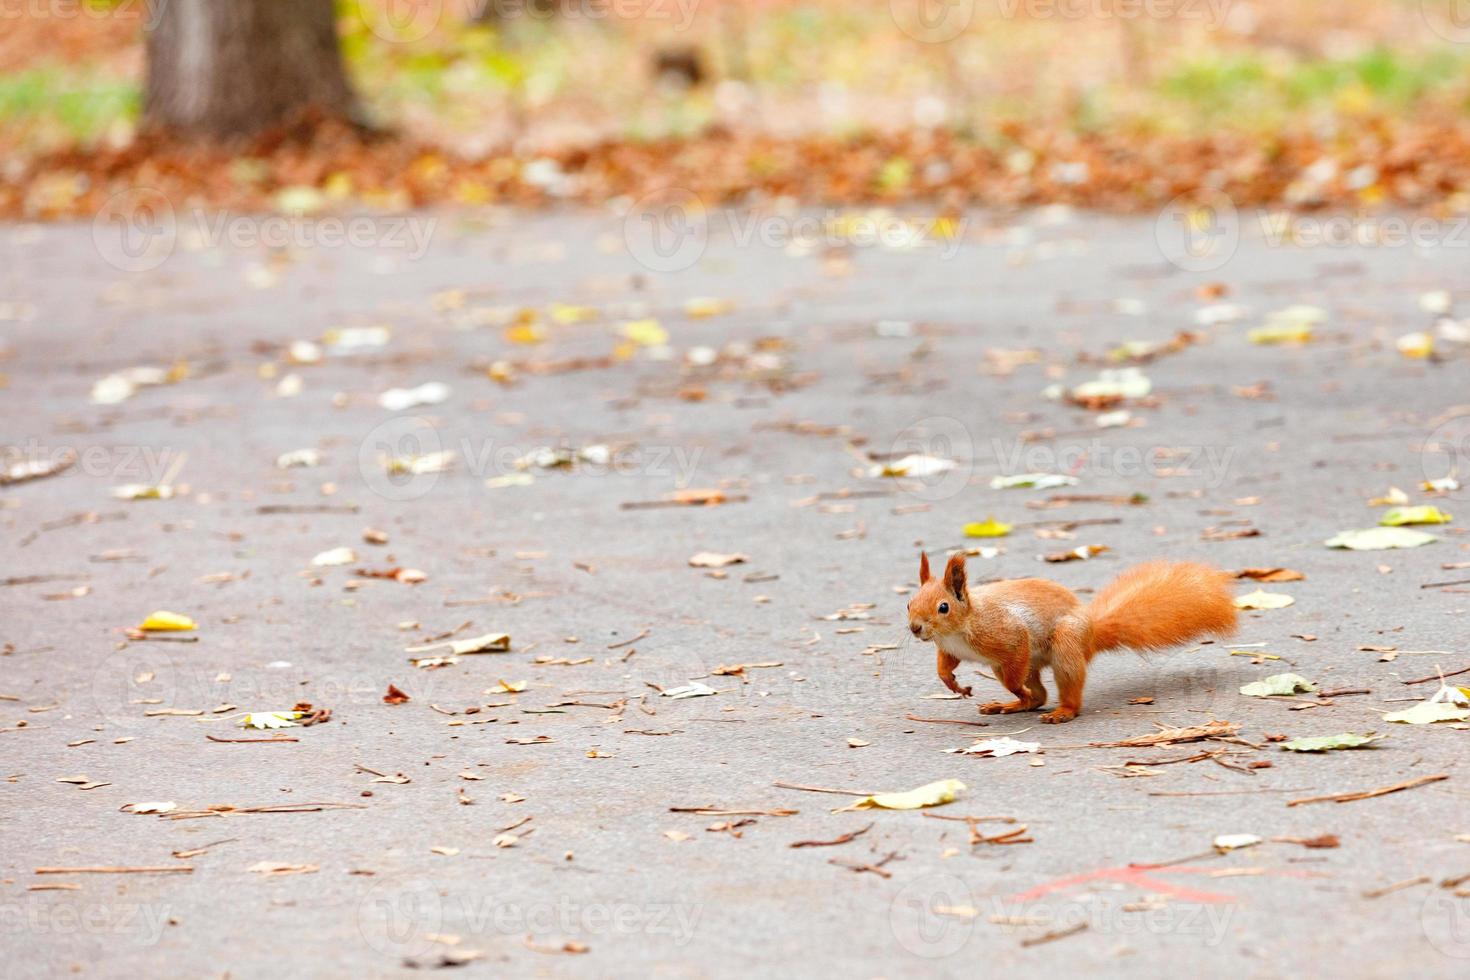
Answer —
1159 605
1020 626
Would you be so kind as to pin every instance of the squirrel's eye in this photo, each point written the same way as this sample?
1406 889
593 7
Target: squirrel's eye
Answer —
943 608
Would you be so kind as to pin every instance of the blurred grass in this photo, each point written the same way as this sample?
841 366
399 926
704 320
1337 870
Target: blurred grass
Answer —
803 66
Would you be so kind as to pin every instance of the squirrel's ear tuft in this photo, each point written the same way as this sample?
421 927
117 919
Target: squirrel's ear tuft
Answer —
954 574
923 567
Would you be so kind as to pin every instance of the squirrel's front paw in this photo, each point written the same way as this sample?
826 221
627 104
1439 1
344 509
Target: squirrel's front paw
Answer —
1058 717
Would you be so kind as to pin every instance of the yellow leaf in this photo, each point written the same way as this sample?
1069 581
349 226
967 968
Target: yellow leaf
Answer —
1426 514
271 719
1416 345
931 794
510 687
567 313
1261 599
1281 333
525 333
989 528
705 306
1393 498
161 622
646 333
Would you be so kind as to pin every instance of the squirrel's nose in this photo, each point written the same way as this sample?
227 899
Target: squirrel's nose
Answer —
915 627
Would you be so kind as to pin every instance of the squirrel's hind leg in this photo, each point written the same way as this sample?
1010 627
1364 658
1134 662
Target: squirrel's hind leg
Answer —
1069 651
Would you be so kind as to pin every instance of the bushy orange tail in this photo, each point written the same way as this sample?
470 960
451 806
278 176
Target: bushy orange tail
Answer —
1161 604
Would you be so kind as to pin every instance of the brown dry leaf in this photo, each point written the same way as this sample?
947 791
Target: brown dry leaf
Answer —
1080 553
395 696
1170 736
1270 574
409 576
272 869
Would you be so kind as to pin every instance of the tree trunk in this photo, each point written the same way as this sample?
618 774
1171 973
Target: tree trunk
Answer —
229 68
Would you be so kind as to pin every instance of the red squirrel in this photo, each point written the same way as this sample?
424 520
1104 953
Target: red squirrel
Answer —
1022 625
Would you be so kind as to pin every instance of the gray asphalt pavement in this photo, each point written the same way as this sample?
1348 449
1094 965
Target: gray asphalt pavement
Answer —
538 833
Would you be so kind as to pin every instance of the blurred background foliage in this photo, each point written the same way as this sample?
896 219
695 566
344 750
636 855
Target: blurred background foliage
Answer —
71 72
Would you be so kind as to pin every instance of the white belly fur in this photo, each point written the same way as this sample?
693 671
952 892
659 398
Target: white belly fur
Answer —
954 644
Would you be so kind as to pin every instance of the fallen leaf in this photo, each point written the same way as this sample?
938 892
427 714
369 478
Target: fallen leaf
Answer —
271 719
1234 842
996 748
1418 345
395 696
167 622
486 643
1261 599
1278 685
398 399
693 689
336 556
1425 514
418 464
915 465
1324 743
1429 712
1080 553
271 869
711 559
1270 574
647 332
930 794
1112 387
298 457
989 528
1380 539
1033 481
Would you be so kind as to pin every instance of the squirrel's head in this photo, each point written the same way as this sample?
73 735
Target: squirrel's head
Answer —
941 604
